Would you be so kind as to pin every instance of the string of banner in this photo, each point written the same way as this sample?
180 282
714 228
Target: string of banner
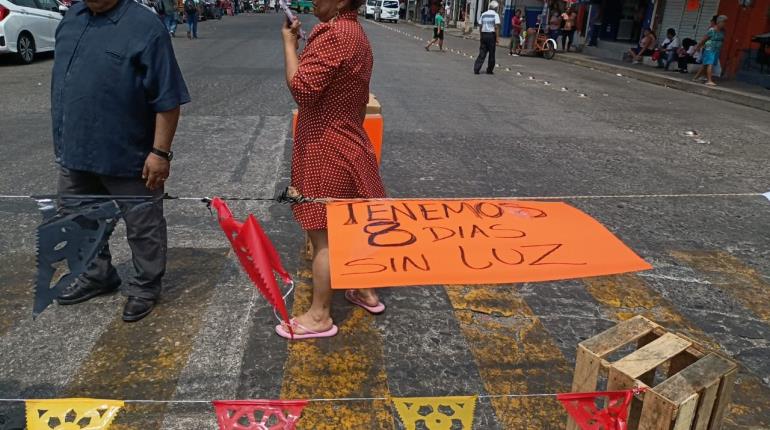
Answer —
98 414
290 196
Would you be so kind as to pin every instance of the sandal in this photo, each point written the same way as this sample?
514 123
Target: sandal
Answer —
308 334
352 297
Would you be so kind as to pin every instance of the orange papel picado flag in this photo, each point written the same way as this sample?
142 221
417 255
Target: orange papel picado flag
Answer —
693 5
71 414
436 413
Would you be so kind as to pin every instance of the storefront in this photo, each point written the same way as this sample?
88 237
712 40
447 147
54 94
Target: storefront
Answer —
690 21
623 20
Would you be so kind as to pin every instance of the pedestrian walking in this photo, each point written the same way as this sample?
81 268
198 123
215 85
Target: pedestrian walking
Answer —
711 46
490 32
516 24
332 155
168 13
191 10
114 109
438 32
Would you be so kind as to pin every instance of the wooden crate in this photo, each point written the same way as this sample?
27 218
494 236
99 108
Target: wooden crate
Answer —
697 387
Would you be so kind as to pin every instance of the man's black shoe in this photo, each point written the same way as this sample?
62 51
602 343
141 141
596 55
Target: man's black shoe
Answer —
83 290
475 72
137 308
490 73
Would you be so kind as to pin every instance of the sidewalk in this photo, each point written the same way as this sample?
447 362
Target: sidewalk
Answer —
730 90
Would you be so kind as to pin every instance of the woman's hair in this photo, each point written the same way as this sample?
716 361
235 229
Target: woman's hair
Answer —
671 31
355 4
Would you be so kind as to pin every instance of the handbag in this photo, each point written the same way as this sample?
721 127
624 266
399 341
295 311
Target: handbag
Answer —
656 55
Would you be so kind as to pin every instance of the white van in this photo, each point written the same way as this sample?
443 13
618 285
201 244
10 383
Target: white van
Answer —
369 8
386 10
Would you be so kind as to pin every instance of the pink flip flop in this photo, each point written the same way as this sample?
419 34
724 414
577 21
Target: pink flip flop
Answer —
352 298
309 334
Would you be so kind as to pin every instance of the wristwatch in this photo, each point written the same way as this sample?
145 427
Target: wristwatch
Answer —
163 154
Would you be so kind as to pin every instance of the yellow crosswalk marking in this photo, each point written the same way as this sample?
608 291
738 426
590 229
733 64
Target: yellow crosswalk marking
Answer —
143 360
347 365
628 295
732 276
514 354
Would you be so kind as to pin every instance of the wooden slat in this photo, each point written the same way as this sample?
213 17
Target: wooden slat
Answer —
651 355
695 378
706 406
657 412
686 414
587 365
609 341
724 395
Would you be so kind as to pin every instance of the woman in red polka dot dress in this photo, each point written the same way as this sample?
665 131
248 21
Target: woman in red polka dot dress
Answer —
332 155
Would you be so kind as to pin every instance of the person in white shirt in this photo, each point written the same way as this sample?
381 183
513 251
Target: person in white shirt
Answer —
490 31
669 48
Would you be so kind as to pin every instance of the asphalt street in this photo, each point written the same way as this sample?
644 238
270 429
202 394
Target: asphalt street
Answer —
535 128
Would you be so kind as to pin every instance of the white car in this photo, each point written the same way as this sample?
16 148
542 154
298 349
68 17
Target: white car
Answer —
28 27
369 9
386 10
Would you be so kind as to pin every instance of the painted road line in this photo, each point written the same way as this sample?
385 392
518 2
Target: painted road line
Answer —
514 354
731 275
214 364
349 364
426 353
143 360
629 295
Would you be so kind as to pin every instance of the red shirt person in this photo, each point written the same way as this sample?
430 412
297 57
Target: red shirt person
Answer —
332 155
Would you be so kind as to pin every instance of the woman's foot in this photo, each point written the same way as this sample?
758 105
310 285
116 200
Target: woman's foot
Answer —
711 83
366 299
307 323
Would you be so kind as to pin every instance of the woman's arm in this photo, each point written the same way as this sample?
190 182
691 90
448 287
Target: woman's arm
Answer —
702 42
290 46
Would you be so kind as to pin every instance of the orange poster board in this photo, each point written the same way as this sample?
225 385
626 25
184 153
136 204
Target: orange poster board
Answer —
390 243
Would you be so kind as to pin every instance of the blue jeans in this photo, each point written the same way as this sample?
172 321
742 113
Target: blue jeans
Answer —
170 20
192 24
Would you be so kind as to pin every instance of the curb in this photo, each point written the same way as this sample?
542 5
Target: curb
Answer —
720 93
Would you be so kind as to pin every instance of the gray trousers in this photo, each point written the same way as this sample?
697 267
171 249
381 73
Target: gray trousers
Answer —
145 231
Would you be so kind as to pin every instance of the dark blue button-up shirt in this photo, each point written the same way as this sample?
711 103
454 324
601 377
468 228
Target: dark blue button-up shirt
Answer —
112 73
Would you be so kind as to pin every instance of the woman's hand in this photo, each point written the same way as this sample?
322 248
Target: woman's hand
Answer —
291 33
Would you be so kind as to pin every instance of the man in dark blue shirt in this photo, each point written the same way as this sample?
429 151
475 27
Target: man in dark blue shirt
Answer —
116 94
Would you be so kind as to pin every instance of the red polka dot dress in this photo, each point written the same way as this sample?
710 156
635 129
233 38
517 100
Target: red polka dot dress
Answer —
332 155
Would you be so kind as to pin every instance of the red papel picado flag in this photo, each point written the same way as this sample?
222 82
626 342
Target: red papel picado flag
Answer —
582 408
693 5
257 256
258 414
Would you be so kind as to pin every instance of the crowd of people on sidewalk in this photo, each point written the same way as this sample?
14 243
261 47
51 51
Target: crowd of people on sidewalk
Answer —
684 52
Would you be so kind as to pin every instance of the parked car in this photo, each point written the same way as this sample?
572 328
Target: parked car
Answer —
304 6
211 11
386 10
369 9
28 27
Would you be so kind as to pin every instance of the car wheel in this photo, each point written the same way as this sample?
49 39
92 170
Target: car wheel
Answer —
25 47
